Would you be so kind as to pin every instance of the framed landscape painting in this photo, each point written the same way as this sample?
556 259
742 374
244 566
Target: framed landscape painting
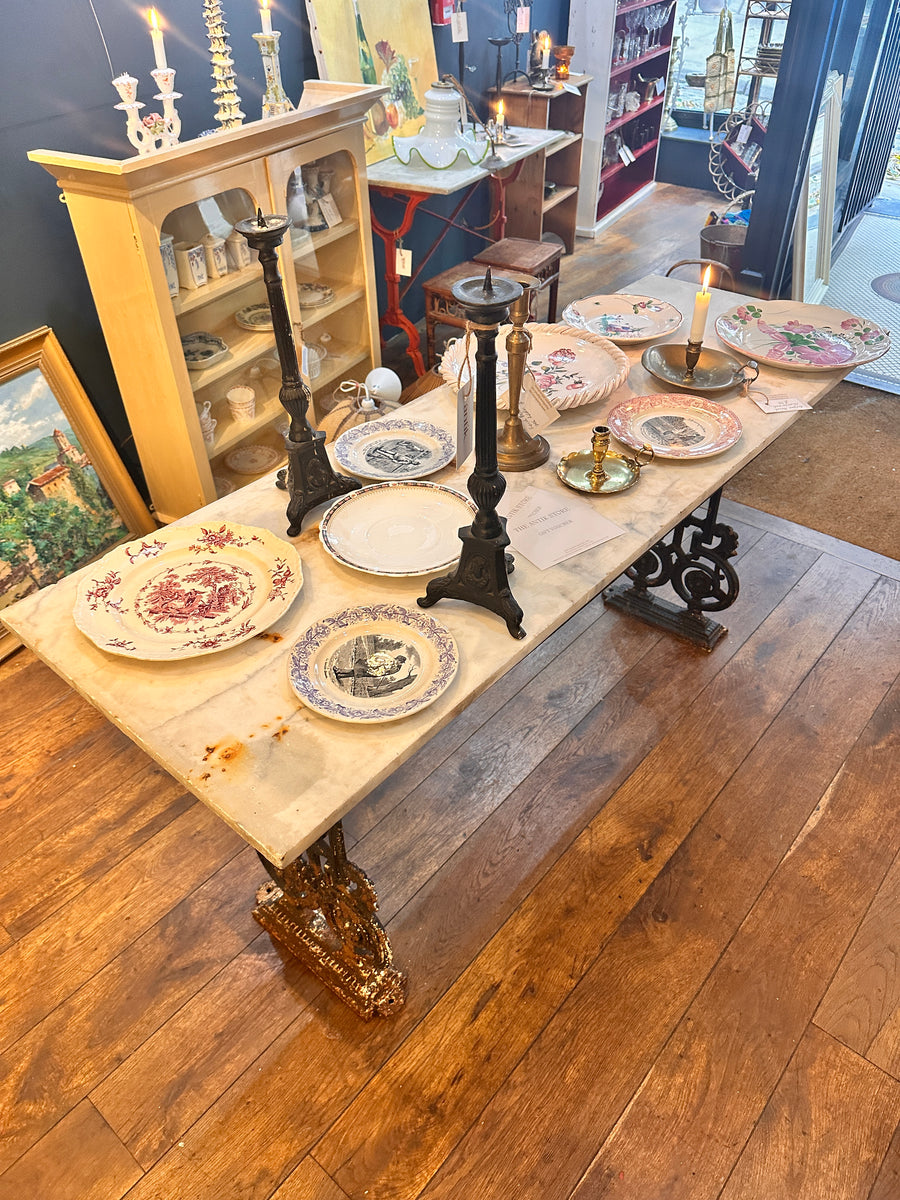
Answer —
65 497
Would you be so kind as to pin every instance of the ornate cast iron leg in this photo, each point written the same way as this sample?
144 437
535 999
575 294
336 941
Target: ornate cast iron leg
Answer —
322 907
699 572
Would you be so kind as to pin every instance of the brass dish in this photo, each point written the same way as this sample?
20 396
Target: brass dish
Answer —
714 370
601 471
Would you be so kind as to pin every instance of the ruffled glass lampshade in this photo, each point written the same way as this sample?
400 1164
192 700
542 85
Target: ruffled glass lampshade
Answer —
439 143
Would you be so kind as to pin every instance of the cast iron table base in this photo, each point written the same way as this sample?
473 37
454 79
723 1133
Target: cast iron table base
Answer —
693 558
322 907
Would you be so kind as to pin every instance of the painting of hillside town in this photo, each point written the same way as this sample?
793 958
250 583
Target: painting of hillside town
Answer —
55 514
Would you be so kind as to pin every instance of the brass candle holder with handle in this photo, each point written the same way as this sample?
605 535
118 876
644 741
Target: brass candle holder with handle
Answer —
600 470
516 449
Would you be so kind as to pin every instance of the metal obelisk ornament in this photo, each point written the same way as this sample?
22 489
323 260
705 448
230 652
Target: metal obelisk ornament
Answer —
309 476
481 574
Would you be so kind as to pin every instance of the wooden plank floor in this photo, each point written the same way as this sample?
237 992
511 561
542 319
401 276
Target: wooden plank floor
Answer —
647 898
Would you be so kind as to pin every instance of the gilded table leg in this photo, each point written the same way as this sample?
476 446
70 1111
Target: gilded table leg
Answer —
693 558
322 907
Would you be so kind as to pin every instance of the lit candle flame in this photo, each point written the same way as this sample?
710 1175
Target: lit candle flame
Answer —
263 3
546 43
706 275
501 109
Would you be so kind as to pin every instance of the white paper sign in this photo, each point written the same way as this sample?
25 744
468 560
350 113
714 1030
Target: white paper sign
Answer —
742 134
660 85
459 27
777 404
535 410
625 155
523 19
465 421
330 211
548 527
570 87
403 261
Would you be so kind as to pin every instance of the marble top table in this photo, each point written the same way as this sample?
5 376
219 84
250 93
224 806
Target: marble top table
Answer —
228 725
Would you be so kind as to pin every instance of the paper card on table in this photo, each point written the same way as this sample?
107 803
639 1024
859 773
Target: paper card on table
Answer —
535 410
777 404
330 211
459 27
465 422
570 87
403 261
548 527
523 19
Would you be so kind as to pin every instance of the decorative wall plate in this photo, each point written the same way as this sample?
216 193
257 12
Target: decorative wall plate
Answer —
802 337
312 295
376 662
187 590
252 460
255 317
397 528
572 367
675 425
202 349
395 449
624 319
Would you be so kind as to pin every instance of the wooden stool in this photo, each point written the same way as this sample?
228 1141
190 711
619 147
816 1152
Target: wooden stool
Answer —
517 255
540 259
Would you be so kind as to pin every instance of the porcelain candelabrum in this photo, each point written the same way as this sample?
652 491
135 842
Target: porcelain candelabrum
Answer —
275 100
156 131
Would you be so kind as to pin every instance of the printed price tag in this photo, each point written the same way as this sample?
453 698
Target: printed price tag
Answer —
465 421
403 261
304 361
625 155
330 211
523 19
742 134
459 27
535 409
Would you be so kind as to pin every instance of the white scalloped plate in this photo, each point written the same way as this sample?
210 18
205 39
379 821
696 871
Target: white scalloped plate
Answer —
571 366
624 319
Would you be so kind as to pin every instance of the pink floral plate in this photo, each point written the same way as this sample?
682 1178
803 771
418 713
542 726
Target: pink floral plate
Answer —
187 590
675 425
571 366
623 318
802 337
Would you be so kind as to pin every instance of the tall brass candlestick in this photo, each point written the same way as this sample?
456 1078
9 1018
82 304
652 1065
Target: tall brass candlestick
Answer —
516 449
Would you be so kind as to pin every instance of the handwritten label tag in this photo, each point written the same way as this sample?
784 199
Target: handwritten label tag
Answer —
535 409
304 361
523 19
330 211
777 404
625 155
403 261
660 85
742 134
459 27
465 421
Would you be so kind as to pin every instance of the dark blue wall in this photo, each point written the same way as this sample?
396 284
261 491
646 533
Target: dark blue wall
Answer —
56 95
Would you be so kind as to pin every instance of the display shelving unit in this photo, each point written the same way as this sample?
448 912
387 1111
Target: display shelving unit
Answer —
120 209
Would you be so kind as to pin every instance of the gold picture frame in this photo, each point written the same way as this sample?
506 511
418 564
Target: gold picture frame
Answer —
65 496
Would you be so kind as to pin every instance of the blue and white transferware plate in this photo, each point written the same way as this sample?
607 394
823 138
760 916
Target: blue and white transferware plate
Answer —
624 319
397 529
202 349
376 662
255 317
398 448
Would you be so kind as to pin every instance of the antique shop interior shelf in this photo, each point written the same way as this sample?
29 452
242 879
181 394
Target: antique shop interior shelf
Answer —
309 164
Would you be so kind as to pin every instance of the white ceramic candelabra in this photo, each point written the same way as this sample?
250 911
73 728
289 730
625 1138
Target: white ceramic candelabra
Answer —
275 100
155 131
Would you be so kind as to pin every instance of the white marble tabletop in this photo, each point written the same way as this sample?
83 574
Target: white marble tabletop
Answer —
229 726
391 173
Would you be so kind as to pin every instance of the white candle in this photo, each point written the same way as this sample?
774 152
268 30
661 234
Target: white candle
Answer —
545 64
701 310
159 50
501 114
265 16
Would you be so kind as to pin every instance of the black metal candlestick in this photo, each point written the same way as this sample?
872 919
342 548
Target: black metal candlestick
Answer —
309 477
481 574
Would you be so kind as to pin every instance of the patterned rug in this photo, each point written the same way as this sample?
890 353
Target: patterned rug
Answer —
875 244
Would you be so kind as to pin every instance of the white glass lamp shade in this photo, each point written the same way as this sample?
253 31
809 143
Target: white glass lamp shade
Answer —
439 143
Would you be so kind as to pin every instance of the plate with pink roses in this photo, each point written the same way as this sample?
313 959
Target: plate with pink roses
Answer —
802 337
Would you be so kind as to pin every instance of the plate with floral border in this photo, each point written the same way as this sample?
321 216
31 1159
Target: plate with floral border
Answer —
376 662
624 319
571 366
675 425
398 448
802 337
187 590
397 528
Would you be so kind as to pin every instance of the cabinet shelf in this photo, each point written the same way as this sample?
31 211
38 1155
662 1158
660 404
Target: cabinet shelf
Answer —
557 197
562 144
636 115
626 67
617 168
309 243
343 296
